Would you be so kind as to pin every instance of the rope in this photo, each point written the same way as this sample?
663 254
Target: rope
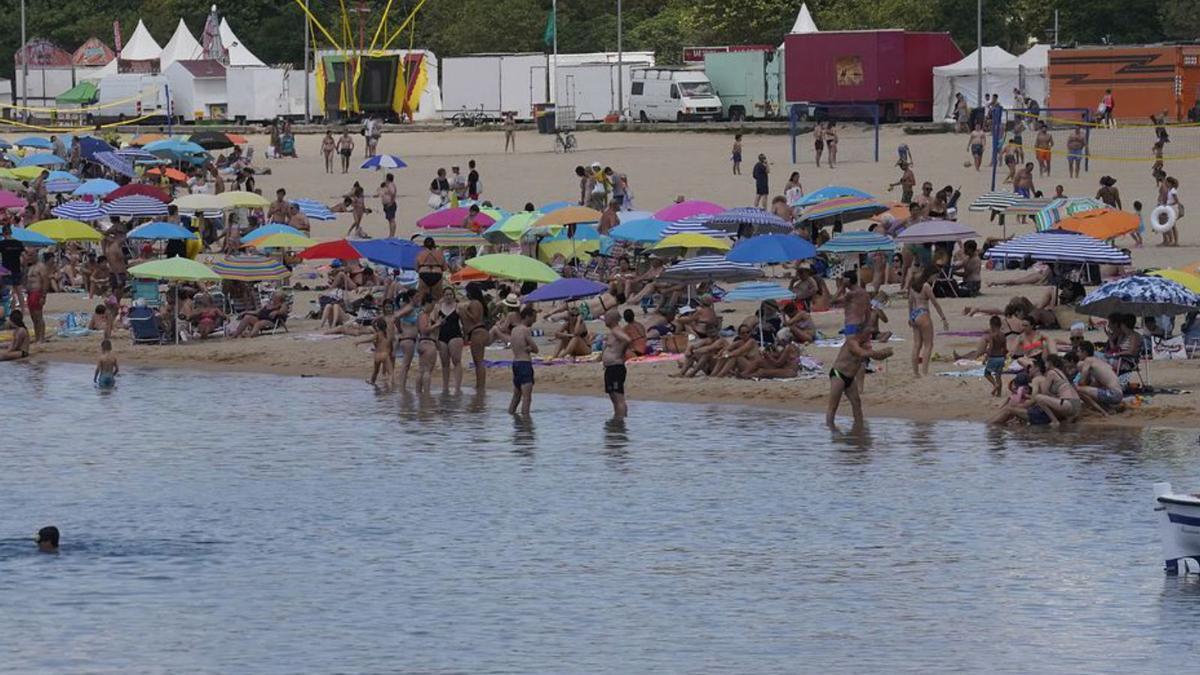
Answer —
411 15
69 111
38 127
382 23
1092 156
1100 125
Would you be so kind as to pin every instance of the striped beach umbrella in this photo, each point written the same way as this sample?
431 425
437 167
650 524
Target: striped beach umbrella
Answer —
41 159
456 237
1057 246
271 228
693 225
711 268
857 242
79 209
997 200
1059 209
1028 207
383 162
762 221
314 210
136 155
847 209
933 231
114 162
135 206
249 268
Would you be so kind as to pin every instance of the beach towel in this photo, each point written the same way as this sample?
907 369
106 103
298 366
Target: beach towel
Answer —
72 325
974 372
964 333
316 337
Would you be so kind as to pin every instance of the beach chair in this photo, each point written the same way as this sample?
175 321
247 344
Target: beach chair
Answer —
143 326
146 290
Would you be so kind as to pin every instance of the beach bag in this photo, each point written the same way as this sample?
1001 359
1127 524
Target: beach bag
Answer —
1171 349
1101 109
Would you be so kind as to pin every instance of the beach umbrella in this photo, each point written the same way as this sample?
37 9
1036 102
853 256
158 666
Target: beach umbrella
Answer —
249 268
772 249
760 292
314 210
566 289
830 192
1057 246
692 207
172 146
137 155
896 212
1028 207
511 228
711 268
117 164
24 172
337 249
1059 209
574 241
569 215
271 228
174 175
174 269
34 142
140 140
847 209
454 217
554 206
243 199
95 187
62 230
456 237
1103 223
90 145
135 206
1140 296
140 189
693 225
515 267
997 200
80 209
630 216
761 222
57 174
282 240
644 231
9 200
59 182
160 231
199 202
857 242
683 244
396 253
41 159
211 140
933 231
31 238
383 162
1186 279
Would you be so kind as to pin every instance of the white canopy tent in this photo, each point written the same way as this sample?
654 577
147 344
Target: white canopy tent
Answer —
963 78
181 47
141 45
239 55
1026 72
804 22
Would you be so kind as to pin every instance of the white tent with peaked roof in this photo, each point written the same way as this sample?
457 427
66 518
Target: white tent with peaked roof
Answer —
181 47
141 45
963 78
239 55
1026 72
804 22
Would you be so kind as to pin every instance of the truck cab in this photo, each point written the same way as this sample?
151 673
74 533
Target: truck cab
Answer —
672 94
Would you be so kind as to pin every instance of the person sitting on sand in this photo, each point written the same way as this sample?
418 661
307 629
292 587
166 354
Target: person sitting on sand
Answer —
207 317
876 316
799 324
994 344
1057 396
1030 343
704 322
18 346
700 356
855 301
660 322
780 362
737 355
253 323
637 336
804 285
1098 385
573 338
847 368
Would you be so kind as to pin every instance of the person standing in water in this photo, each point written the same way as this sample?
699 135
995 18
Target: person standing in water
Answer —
920 297
523 348
616 345
107 368
847 368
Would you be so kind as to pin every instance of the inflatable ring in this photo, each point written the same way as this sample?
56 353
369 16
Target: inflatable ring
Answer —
1158 225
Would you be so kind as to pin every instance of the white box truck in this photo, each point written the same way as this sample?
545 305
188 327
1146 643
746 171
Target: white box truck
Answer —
138 94
493 83
672 94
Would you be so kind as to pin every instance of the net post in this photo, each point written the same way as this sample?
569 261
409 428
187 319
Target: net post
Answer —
792 129
1087 138
875 112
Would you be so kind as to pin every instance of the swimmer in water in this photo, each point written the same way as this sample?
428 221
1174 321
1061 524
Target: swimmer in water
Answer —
47 539
107 368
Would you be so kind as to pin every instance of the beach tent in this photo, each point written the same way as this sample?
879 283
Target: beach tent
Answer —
198 88
963 78
181 47
83 93
239 55
1026 72
141 52
804 22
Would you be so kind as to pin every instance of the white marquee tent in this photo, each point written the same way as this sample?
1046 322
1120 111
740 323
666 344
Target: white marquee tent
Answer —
141 46
963 78
1026 72
804 22
181 47
239 55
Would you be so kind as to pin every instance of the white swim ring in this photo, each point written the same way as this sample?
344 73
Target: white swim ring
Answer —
1160 225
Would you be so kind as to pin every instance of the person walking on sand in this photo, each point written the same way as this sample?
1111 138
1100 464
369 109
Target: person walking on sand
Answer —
907 181
847 368
818 141
831 143
345 148
1171 237
762 188
523 348
736 155
387 197
616 346
975 144
920 297
328 147
1043 147
1076 148
510 131
37 284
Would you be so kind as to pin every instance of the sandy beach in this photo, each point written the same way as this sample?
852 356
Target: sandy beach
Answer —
661 167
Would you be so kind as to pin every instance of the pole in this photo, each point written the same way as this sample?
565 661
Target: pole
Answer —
24 61
620 68
307 105
979 52
554 73
1056 28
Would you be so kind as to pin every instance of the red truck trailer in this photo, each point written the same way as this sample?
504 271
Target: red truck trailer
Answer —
889 68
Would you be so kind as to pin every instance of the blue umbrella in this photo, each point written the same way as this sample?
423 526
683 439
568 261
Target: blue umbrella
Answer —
114 162
554 206
566 289
712 268
34 142
397 253
761 291
271 228
582 232
96 187
137 155
63 175
172 146
1057 246
79 209
89 146
383 162
645 231
857 242
831 192
135 206
41 159
762 221
1140 296
31 238
61 186
160 230
772 249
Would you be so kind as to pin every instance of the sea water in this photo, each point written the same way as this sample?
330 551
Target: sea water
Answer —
218 523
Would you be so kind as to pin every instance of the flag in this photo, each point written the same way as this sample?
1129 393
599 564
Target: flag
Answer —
549 35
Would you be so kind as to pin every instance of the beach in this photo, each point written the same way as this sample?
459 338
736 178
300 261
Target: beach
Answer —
662 167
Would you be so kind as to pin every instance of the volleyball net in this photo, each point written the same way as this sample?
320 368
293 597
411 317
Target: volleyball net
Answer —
1124 143
856 127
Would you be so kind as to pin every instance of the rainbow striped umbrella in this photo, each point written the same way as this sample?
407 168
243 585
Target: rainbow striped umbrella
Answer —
847 208
249 268
1059 209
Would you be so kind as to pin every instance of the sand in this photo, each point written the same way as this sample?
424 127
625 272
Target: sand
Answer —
661 166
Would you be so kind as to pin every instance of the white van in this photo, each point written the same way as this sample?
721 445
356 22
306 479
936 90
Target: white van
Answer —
674 94
135 95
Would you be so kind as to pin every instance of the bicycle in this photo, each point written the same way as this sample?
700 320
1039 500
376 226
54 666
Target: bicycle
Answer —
564 141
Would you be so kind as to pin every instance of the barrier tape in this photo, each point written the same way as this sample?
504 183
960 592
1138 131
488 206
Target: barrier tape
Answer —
70 111
1100 125
110 125
1031 154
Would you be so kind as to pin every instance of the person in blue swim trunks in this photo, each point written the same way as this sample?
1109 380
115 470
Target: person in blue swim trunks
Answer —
107 367
523 349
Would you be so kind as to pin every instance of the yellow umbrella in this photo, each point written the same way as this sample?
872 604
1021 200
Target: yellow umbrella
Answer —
174 269
569 215
243 199
200 202
568 248
281 240
690 242
61 229
1186 279
27 172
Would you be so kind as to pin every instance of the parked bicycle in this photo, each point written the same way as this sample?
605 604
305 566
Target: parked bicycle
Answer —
564 141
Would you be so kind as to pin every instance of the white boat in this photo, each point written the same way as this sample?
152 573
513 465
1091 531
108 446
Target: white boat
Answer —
1179 527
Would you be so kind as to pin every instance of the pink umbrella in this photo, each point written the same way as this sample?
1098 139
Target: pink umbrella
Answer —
452 218
692 207
9 200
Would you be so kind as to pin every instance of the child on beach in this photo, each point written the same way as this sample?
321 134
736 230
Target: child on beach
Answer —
384 347
105 376
736 155
994 344
1137 234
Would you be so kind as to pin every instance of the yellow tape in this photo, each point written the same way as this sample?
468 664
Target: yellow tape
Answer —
69 111
1091 156
411 15
1101 125
38 127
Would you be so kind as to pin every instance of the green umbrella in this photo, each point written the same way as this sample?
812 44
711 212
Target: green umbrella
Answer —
516 267
511 229
174 269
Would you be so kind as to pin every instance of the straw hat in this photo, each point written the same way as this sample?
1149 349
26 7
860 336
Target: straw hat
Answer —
511 301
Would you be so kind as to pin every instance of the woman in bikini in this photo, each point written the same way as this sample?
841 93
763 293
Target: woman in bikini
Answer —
473 316
428 324
431 268
1058 397
920 297
450 339
327 147
407 314
18 347
1030 343
819 141
831 143
573 338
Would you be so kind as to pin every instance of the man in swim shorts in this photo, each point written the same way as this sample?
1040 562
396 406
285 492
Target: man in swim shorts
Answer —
847 367
523 347
1099 385
616 344
975 143
1076 148
1044 146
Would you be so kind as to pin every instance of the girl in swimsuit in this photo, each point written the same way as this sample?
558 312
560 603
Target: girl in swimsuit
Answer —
573 338
831 142
406 325
1060 399
920 297
450 340
431 266
428 324
1030 343
18 348
473 314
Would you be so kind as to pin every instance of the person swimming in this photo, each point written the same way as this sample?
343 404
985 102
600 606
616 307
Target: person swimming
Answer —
47 539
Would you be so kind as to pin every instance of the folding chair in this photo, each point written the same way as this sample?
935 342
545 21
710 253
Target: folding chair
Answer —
146 290
143 326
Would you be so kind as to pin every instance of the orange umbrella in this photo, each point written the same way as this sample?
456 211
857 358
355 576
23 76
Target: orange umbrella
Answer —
143 139
468 274
172 174
569 215
1101 223
237 139
896 210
